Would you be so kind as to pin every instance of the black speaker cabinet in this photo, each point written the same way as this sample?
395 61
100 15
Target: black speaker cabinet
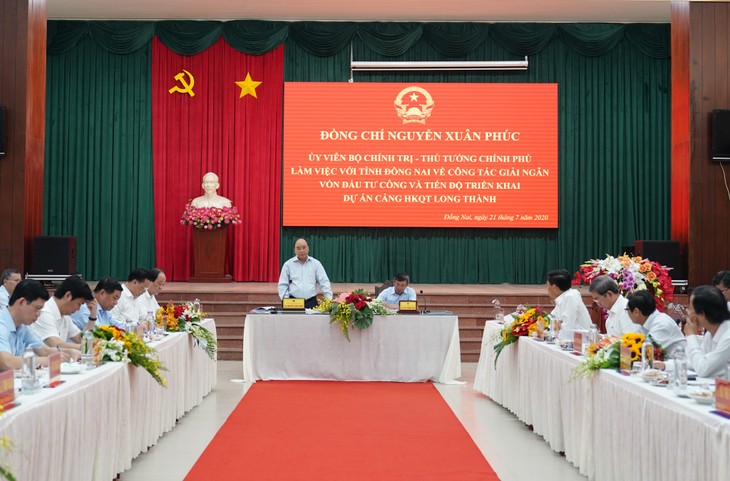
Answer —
2 129
665 253
54 255
721 135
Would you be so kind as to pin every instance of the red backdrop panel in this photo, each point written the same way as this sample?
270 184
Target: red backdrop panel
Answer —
217 130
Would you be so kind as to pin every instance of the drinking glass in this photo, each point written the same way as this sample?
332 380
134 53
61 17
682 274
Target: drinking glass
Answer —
636 367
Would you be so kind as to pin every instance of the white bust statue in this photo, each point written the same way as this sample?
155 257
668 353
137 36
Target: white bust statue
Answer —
211 197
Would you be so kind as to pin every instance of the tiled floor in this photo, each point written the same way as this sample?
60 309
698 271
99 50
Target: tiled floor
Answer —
514 452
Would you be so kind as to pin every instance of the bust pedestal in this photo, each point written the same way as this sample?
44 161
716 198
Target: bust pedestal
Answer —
209 255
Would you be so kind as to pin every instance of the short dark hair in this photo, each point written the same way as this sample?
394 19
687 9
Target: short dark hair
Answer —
139 275
603 284
709 301
6 274
30 290
153 274
642 300
76 286
722 278
402 276
108 284
560 278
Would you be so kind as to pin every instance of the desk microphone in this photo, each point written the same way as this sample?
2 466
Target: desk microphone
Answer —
423 311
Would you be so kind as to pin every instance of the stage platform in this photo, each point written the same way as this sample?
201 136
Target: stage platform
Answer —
229 303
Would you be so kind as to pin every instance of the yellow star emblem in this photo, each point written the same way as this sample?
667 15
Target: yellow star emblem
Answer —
248 86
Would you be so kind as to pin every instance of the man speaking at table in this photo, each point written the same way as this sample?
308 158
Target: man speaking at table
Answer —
300 276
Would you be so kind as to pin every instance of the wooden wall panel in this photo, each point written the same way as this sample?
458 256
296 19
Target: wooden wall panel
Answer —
709 206
22 91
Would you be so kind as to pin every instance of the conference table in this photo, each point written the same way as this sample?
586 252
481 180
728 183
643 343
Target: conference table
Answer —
610 426
399 348
96 422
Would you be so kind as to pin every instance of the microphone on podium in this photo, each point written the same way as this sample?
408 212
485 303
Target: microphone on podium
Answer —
423 311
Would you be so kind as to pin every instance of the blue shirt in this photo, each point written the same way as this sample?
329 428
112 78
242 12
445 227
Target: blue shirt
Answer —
4 297
104 318
14 340
81 317
390 297
300 280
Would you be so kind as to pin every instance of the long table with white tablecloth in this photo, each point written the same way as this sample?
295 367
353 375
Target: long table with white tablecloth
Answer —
93 424
611 426
400 348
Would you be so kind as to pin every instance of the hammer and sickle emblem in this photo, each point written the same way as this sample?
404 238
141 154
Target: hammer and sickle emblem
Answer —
187 88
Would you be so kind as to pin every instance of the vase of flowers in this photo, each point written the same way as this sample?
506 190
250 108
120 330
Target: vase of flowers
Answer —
630 273
185 318
524 323
210 218
354 308
115 345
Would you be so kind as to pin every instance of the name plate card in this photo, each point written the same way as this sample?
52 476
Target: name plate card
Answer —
292 304
624 359
408 307
722 396
7 389
54 369
578 342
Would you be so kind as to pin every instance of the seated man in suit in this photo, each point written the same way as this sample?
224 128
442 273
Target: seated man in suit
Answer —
9 279
569 306
25 305
54 326
662 328
606 294
127 309
399 291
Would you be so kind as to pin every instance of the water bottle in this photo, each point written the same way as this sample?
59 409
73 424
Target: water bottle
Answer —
128 326
30 383
87 349
196 307
593 334
679 381
498 311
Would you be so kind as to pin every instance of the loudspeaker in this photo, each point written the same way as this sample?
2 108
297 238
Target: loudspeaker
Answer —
2 129
721 135
665 253
54 255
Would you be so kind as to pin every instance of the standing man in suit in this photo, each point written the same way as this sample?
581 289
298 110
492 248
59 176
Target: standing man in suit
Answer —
300 276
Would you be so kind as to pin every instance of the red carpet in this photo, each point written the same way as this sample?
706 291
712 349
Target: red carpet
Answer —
344 431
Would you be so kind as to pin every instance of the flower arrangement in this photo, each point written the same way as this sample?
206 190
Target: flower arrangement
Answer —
113 344
210 218
630 273
179 318
606 353
523 324
354 308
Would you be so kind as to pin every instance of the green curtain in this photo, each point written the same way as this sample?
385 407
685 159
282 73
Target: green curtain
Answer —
614 146
614 149
98 171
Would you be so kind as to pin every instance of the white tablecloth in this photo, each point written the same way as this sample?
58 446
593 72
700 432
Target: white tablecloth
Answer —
401 348
94 424
610 426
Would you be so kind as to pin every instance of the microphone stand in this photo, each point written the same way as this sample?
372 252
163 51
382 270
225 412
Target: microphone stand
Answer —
423 311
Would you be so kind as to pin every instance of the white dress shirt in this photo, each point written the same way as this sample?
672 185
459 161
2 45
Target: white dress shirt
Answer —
5 298
664 330
52 324
618 322
709 355
147 303
126 309
570 309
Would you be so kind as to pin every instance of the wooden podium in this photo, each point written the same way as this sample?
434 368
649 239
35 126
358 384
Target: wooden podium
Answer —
209 255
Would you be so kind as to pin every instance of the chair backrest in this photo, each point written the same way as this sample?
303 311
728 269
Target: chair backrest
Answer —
379 289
